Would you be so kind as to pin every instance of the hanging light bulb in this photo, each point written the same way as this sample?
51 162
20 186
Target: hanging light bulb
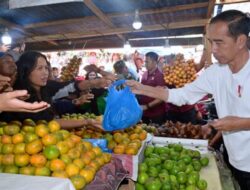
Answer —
6 38
127 46
137 24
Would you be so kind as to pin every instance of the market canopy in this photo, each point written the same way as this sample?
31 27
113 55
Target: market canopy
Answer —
76 24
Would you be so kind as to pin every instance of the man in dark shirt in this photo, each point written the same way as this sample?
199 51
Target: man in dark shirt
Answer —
153 109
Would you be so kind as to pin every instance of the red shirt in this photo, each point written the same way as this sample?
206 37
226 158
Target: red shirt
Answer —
152 79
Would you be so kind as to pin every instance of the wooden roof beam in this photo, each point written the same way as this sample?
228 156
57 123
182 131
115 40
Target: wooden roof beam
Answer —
101 15
19 28
115 31
115 15
230 1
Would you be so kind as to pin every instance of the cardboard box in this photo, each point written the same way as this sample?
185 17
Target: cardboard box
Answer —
25 182
130 162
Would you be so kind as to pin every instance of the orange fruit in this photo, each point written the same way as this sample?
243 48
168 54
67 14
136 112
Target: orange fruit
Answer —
34 147
41 130
17 138
100 160
75 138
7 148
11 129
119 149
27 170
49 139
95 165
53 126
22 160
107 157
29 137
62 147
131 150
38 160
125 141
80 147
134 136
79 162
125 135
118 137
51 152
8 159
85 159
97 150
90 154
78 182
58 135
11 169
19 148
66 159
74 153
18 123
29 122
6 139
87 145
72 169
44 122
60 174
1 158
111 144
136 143
87 174
143 135
65 133
70 143
138 129
56 165
42 171
28 129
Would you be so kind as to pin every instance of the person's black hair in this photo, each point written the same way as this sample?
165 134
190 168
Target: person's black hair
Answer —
54 68
154 56
25 65
118 66
237 21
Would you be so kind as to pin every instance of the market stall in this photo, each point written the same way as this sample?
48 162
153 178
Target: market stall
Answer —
96 137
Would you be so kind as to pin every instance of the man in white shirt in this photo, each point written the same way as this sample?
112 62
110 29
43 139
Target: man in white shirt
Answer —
229 83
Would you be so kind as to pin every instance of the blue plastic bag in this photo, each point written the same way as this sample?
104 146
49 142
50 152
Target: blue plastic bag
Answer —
122 108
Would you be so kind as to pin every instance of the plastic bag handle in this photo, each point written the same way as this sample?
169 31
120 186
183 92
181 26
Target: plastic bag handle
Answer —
117 83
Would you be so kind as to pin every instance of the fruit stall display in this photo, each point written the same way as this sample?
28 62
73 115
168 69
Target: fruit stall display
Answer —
80 116
177 130
180 73
126 141
43 149
171 167
70 71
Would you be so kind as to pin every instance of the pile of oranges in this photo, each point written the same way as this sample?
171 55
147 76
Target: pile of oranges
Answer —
43 149
127 141
180 73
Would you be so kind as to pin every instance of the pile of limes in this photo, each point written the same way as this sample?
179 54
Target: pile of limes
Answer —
171 168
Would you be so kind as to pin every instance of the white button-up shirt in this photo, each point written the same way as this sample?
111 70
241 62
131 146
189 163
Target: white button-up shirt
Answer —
231 92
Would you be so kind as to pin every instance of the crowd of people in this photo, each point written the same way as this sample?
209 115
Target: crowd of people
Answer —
28 91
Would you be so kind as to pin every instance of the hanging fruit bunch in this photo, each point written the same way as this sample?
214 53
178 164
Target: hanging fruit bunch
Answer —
180 73
71 70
